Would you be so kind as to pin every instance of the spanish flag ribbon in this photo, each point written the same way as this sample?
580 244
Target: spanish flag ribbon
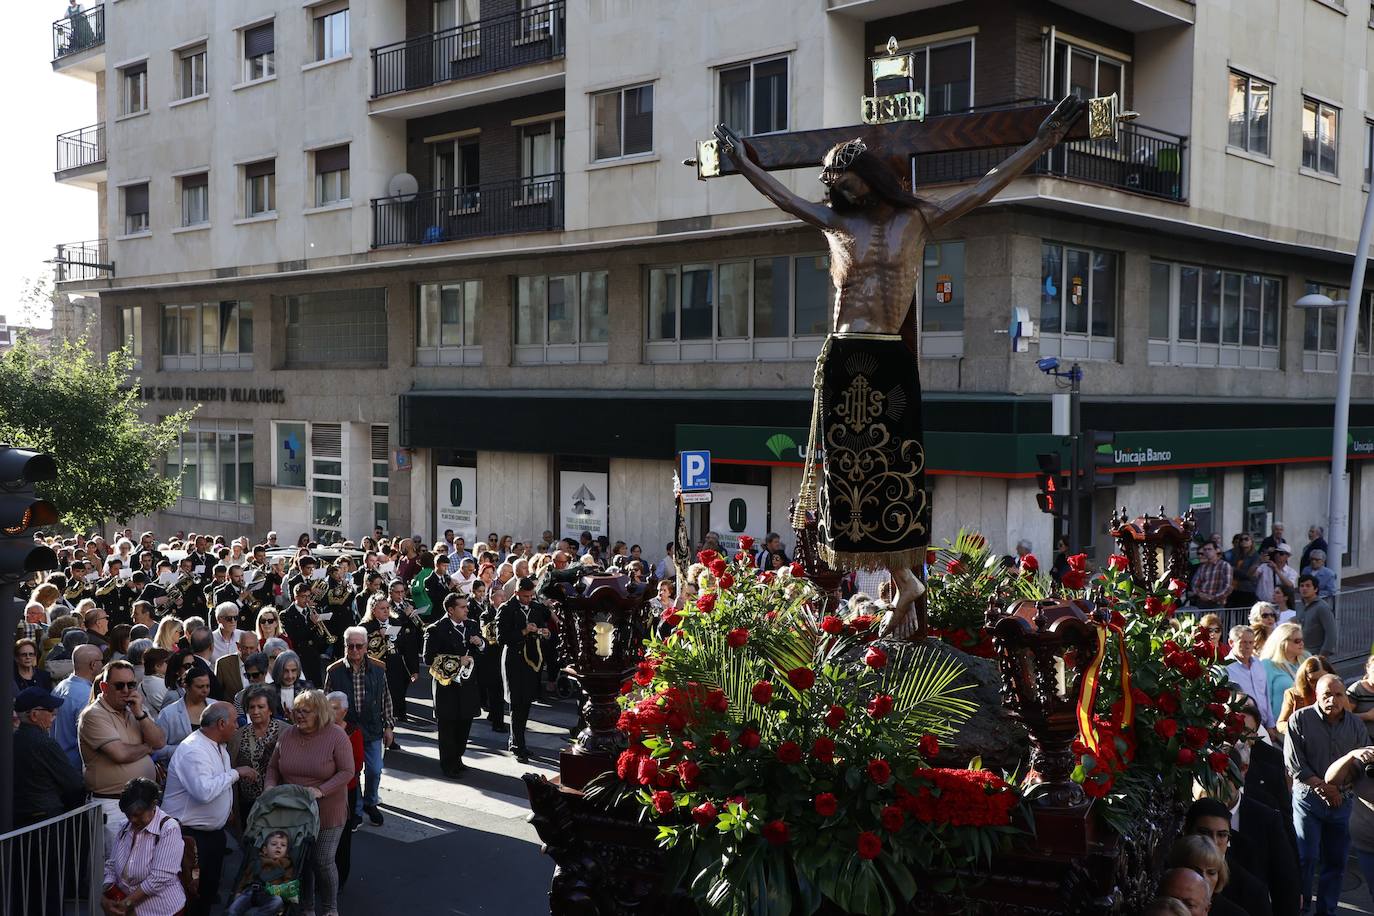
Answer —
1092 684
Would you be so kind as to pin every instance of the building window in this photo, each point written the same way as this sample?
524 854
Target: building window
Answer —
538 19
942 300
541 159
336 328
288 466
381 477
195 199
259 59
331 175
623 122
130 332
207 335
135 208
944 74
1085 73
457 167
446 323
133 88
765 308
260 188
753 96
325 493
1204 316
1320 128
1078 302
192 64
331 33
214 460
561 319
1248 114
1322 330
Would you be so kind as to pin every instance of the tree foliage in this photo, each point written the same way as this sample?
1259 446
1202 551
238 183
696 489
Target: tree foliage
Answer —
65 400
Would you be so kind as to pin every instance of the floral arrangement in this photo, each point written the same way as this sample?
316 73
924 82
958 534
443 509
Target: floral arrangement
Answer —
785 758
961 577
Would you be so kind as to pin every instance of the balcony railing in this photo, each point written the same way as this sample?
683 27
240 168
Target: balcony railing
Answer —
1143 160
81 261
528 36
533 204
73 34
80 148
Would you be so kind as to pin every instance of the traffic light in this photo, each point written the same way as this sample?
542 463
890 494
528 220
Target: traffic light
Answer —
22 513
1053 497
1099 449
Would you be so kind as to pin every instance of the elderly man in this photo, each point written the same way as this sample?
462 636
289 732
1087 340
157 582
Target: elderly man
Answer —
1188 888
200 796
35 623
225 640
1316 540
229 670
1323 574
1319 735
118 738
45 782
1273 540
1248 674
75 690
363 678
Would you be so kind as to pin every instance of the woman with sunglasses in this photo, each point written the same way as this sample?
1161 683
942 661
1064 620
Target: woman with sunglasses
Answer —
26 671
269 625
1263 618
1284 651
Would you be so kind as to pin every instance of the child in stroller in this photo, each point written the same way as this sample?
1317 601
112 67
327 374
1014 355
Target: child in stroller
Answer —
279 833
269 881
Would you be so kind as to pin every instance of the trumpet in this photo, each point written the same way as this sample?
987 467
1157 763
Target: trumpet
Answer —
320 629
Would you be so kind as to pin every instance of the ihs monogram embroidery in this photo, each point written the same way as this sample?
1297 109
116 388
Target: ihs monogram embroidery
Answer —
860 404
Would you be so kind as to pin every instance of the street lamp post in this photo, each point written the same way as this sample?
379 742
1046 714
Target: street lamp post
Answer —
1338 499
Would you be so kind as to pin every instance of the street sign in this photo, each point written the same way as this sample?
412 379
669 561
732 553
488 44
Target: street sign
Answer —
695 471
696 496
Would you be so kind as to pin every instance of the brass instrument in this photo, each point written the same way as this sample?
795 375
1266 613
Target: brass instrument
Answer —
103 587
318 587
379 645
177 590
75 590
449 668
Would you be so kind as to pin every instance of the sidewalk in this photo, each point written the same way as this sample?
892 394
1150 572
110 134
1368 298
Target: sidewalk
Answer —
1355 897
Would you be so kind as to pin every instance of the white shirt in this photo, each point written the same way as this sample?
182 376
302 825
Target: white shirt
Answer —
224 646
198 782
871 581
1252 682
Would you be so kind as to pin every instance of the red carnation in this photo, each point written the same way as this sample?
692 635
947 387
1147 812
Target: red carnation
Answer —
826 805
648 771
748 739
664 802
929 746
789 752
626 687
797 570
720 742
1117 562
1166 728
1029 563
869 845
746 542
726 581
1153 606
1195 736
875 658
834 716
892 818
717 701
762 693
954 568
705 814
1186 757
801 678
737 637
627 766
832 625
879 771
775 832
717 566
1177 586
644 674
823 749
706 602
1218 761
880 705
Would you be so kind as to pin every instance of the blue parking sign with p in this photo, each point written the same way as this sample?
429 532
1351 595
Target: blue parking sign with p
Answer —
695 471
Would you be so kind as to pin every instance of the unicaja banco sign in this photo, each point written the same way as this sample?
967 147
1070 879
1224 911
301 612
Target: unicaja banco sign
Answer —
1136 457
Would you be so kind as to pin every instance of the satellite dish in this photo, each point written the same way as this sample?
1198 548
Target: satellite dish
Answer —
403 186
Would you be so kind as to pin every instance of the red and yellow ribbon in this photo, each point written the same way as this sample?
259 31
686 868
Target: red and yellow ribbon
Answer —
1092 684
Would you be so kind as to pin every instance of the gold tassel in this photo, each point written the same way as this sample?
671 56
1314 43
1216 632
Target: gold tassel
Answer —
888 559
808 498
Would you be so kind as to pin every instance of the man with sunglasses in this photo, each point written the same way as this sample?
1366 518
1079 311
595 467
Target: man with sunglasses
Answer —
117 738
363 679
231 670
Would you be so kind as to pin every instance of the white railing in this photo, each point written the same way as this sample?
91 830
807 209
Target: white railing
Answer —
55 866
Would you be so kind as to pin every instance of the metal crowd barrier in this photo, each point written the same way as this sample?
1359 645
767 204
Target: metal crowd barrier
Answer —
55 867
1354 609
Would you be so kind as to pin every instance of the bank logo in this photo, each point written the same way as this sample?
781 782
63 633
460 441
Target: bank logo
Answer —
780 444
1140 456
292 446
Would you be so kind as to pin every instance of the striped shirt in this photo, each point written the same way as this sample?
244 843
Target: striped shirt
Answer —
149 860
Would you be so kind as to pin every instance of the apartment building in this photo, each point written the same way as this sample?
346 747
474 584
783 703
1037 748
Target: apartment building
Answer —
437 263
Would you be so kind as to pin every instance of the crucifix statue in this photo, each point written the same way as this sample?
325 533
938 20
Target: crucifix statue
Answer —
868 492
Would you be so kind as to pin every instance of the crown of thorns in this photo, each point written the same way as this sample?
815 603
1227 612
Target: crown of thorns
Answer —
844 156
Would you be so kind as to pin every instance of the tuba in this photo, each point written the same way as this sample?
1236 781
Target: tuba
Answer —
318 588
177 590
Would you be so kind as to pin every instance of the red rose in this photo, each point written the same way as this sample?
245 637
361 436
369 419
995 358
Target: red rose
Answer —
1142 699
869 845
726 581
1191 667
1222 694
766 576
1117 562
717 701
1153 606
797 570
1167 703
705 814
720 742
672 619
1078 562
1218 761
706 602
1074 579
741 800
762 693
880 705
1195 736
1166 728
626 687
892 818
826 805
1217 710
775 832
706 556
954 568
748 739
717 566
644 674
746 542
664 802
832 625
861 621
737 637
823 749
931 556
875 658
929 746
648 771
879 771
1177 586
801 678
789 752
834 716
689 773
1186 757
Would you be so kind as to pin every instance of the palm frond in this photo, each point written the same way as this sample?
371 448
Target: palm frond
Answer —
926 691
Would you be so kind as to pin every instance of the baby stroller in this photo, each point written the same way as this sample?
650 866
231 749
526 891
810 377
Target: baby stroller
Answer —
288 809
